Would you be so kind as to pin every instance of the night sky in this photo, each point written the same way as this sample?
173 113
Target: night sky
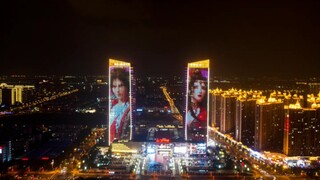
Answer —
241 38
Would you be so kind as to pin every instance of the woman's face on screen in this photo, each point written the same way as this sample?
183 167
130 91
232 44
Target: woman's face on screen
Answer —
199 90
119 89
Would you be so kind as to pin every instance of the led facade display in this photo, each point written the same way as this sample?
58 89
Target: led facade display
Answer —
180 149
120 114
197 101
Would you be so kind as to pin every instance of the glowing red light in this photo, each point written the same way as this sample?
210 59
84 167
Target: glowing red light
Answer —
287 125
44 158
163 140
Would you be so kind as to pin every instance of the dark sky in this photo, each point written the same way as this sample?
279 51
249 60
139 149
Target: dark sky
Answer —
241 38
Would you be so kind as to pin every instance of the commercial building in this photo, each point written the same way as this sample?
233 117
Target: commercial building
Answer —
197 102
120 101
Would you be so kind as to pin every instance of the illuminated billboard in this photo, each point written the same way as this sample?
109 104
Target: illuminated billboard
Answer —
120 114
197 101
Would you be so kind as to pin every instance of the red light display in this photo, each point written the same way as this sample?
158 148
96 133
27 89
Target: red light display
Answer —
163 140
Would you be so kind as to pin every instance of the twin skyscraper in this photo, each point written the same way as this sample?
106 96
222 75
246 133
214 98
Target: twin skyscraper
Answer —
122 101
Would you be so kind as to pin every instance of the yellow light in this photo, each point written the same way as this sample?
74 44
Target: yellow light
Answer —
199 64
113 62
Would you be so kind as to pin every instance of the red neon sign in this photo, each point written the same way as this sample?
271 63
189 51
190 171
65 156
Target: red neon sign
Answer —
163 140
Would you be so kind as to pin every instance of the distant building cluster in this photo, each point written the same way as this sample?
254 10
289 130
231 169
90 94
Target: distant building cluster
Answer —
283 123
11 94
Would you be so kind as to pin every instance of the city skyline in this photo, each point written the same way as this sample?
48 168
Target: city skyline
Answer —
240 38
57 125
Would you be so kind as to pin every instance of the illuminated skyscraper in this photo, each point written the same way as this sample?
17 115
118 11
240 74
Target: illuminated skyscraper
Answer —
120 101
11 94
215 107
301 132
197 101
245 121
245 117
269 124
228 113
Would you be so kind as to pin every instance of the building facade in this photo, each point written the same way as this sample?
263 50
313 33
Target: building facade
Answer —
269 124
301 132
